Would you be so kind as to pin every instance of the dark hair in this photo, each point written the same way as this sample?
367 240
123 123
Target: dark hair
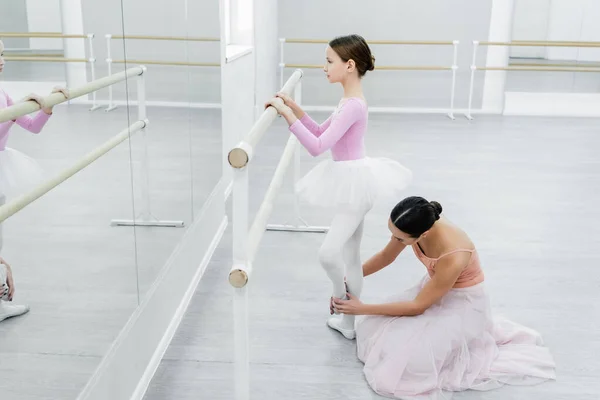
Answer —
415 215
354 47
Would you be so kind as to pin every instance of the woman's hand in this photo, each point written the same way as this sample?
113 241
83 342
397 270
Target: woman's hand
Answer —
7 290
352 306
38 99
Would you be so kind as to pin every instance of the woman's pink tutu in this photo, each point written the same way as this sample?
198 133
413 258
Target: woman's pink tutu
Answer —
455 345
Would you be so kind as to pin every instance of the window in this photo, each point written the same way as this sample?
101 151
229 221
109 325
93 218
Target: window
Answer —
239 27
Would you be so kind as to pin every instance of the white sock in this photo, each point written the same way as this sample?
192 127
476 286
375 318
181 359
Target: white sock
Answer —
9 310
337 324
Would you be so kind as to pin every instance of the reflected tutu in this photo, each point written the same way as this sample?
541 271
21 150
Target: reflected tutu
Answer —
357 184
455 345
18 172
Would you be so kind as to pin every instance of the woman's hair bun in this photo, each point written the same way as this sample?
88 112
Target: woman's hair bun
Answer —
437 207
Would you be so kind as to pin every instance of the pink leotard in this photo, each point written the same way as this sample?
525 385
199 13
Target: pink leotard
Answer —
343 132
32 124
471 275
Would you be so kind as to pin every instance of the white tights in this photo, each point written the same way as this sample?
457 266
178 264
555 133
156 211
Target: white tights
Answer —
340 256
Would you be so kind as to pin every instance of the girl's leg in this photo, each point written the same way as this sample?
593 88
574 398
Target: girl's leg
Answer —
354 271
331 255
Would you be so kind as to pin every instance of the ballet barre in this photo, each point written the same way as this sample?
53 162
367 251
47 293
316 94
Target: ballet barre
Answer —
57 35
24 108
453 67
538 67
109 60
145 218
24 200
246 241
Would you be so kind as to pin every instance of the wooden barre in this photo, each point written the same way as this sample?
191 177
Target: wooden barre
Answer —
551 69
381 68
25 54
45 59
183 38
48 35
554 41
541 44
401 42
555 65
183 63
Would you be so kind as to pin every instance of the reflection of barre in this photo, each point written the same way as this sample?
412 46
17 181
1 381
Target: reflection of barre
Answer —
524 67
240 273
24 200
46 59
41 35
17 53
453 67
181 63
109 61
28 107
53 58
173 38
241 155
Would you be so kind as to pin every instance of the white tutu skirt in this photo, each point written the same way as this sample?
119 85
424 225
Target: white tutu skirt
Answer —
356 184
18 172
455 345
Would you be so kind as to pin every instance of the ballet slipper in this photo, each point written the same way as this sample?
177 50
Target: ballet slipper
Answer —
336 324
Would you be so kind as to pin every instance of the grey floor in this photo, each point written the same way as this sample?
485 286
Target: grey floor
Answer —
525 189
82 277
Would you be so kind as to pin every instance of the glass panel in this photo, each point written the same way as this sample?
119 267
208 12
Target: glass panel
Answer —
75 271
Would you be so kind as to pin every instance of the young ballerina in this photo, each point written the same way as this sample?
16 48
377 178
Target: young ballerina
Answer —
350 182
17 172
440 336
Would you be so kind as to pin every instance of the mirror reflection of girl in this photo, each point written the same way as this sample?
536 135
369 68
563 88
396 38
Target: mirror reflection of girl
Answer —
17 173
350 182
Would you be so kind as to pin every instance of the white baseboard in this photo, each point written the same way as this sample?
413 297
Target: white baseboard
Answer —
552 104
228 190
154 363
127 369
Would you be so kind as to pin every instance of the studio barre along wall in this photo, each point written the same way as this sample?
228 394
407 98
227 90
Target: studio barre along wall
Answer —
160 18
464 20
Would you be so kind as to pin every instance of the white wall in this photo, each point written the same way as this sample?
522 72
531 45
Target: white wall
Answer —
464 20
497 56
44 16
163 18
266 50
13 18
530 22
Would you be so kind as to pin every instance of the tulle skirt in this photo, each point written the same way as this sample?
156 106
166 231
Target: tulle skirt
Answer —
356 184
455 345
18 172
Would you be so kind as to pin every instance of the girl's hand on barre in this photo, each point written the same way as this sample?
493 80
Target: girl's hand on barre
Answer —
40 101
287 100
280 106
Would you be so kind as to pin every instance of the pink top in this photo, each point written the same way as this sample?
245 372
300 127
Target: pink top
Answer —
471 275
343 132
32 124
